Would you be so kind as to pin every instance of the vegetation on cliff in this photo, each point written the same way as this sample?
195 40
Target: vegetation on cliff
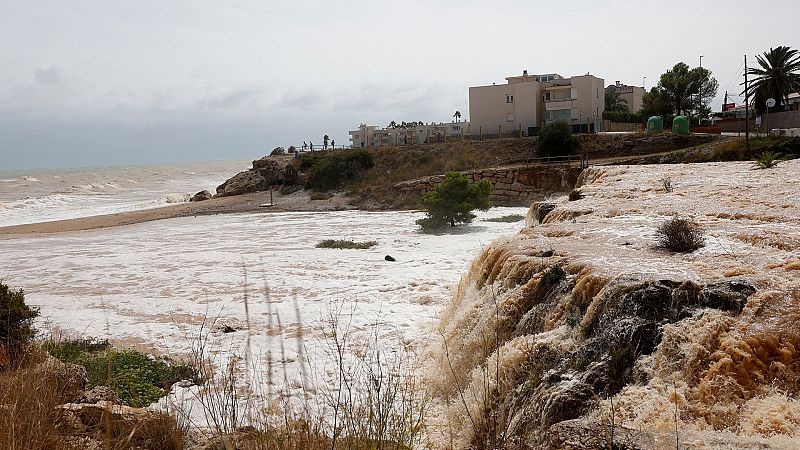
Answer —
137 378
16 320
330 172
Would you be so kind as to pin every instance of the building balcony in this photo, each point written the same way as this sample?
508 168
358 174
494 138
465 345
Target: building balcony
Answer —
553 104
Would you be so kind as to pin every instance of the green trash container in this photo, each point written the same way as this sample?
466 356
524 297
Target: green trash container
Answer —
655 123
680 125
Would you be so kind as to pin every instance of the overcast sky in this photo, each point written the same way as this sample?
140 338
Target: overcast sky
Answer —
98 82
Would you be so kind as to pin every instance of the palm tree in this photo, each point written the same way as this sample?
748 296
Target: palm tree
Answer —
614 103
778 76
457 115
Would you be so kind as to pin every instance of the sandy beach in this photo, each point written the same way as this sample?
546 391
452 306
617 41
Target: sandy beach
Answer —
246 203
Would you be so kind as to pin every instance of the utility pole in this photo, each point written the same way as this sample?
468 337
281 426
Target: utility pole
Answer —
746 107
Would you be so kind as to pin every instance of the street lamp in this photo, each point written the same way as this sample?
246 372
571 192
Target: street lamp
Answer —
700 92
643 80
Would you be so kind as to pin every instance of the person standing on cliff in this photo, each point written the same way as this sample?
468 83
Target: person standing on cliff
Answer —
311 145
305 146
325 142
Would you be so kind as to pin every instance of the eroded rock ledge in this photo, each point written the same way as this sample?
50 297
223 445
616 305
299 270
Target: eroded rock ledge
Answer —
579 331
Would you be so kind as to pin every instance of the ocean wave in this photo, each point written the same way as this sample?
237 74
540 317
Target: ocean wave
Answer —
27 178
9 180
165 200
92 188
45 201
177 198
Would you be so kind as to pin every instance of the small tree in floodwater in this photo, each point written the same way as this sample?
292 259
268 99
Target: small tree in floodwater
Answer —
453 201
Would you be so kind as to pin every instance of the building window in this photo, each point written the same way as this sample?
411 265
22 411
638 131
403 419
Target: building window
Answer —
509 98
546 96
509 117
558 114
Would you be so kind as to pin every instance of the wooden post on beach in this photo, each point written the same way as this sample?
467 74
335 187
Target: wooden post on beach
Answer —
271 203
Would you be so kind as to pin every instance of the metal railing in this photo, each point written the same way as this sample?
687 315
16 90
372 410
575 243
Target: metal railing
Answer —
582 160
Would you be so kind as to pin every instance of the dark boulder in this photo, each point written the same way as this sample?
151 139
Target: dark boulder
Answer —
389 258
243 183
200 196
542 210
727 295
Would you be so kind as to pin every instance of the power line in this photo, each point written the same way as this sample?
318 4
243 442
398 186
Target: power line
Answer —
735 77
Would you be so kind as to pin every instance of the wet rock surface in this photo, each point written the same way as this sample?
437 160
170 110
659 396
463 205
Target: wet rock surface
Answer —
98 394
200 196
627 323
143 428
266 172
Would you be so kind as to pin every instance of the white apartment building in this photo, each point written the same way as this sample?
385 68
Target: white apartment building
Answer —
528 102
631 94
374 136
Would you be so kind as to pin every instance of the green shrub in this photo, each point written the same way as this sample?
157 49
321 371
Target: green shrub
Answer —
286 190
733 150
71 350
766 160
138 379
334 243
789 146
16 320
622 117
290 175
506 219
331 172
453 201
556 140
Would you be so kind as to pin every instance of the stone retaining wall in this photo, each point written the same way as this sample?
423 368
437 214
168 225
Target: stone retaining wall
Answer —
513 186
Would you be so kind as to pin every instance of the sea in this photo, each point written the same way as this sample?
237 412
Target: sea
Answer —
30 196
163 286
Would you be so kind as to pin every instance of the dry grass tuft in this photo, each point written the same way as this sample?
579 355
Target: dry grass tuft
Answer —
28 400
680 235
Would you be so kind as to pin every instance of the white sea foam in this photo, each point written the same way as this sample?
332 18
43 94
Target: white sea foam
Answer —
146 283
27 178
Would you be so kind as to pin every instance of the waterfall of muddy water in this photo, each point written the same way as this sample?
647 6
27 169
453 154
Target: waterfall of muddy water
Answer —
578 330
156 284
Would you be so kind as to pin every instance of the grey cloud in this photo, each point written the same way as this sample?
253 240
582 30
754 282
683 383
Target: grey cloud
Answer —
303 99
48 77
230 99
